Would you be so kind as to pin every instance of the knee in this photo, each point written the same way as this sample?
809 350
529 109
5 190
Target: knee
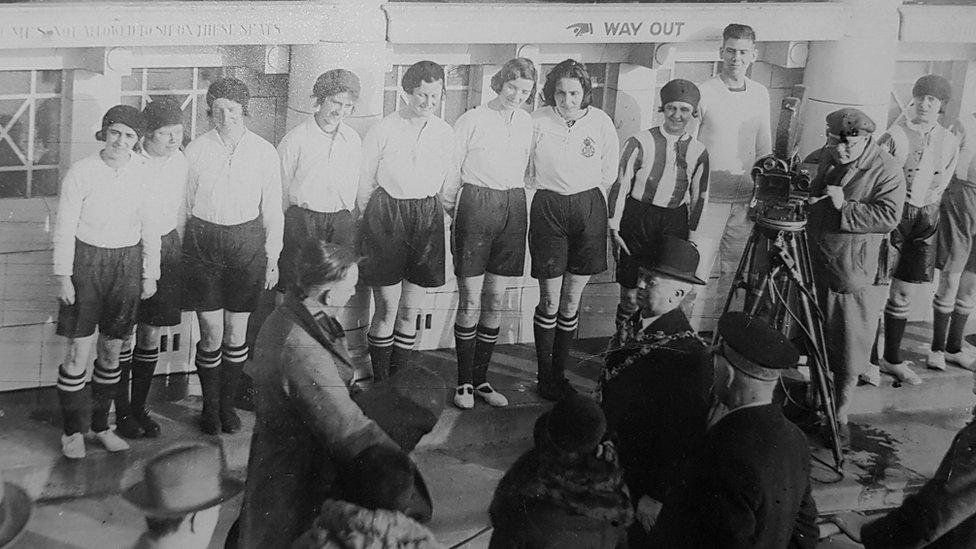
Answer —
494 302
210 338
899 299
470 302
548 305
569 308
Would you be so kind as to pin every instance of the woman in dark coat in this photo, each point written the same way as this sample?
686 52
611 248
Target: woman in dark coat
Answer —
560 494
373 508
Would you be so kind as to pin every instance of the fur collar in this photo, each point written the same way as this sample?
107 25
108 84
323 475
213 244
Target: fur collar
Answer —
342 525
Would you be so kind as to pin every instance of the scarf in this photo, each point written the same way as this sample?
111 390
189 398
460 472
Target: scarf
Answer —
343 525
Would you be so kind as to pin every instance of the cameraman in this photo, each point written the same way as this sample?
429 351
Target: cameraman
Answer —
857 198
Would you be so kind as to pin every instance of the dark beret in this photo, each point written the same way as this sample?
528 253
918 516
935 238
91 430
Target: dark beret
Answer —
759 350
934 85
229 88
123 114
680 90
849 122
162 112
334 82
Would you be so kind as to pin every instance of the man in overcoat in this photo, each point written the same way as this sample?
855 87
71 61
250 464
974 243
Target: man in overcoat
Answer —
656 379
749 485
858 195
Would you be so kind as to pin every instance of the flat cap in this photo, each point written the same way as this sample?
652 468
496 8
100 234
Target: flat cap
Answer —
849 122
757 349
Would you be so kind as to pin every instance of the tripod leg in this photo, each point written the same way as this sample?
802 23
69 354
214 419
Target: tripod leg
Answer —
820 373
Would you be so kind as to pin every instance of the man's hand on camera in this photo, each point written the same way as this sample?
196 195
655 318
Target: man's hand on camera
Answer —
836 195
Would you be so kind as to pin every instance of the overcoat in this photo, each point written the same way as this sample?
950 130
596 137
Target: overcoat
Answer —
656 407
306 426
749 488
942 515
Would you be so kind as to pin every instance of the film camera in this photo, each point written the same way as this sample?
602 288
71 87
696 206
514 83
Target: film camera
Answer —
782 188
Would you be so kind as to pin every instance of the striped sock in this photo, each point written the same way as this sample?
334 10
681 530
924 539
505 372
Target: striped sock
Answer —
230 376
234 355
464 343
895 319
942 312
207 359
143 367
380 349
402 350
73 401
105 382
544 330
482 353
565 331
122 407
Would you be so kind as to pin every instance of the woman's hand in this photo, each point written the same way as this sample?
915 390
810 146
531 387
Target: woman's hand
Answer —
148 288
66 291
619 243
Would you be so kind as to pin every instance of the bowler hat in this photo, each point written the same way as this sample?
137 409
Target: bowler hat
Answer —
575 424
675 258
15 511
754 347
183 479
406 405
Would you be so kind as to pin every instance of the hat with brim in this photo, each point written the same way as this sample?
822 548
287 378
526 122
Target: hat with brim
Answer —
674 258
183 479
15 512
753 347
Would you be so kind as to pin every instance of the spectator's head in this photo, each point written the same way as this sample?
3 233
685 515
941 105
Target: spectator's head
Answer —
423 83
514 82
327 272
164 127
335 92
930 93
574 426
666 275
227 100
848 134
181 493
738 50
379 477
15 511
749 359
568 87
122 126
679 103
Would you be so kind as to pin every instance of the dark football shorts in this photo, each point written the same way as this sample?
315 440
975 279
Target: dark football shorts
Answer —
302 225
915 241
165 307
223 266
957 228
402 239
568 233
643 226
108 282
488 232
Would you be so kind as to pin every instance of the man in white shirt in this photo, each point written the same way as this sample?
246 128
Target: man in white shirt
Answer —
735 129
230 246
320 162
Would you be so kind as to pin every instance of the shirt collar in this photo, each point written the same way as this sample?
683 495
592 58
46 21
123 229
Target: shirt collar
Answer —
918 127
342 131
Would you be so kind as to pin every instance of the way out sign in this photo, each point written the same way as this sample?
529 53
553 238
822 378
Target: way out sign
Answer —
624 29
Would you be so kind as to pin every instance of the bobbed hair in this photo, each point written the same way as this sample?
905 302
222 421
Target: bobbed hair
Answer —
513 69
421 71
321 262
569 68
737 31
